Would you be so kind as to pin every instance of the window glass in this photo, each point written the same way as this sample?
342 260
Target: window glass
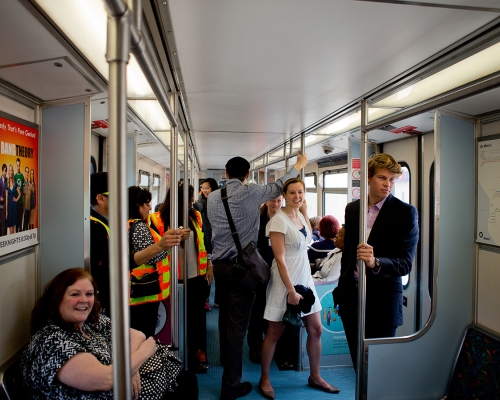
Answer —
155 192
312 204
144 181
337 180
310 182
334 204
401 188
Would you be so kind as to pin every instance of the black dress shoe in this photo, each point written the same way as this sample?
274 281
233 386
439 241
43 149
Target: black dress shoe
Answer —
244 389
328 389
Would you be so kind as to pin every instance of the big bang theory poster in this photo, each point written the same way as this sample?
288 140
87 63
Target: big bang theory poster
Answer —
18 184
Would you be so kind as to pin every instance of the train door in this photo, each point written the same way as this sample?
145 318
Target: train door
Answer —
409 153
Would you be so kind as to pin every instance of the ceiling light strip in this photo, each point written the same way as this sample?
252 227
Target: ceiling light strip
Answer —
439 101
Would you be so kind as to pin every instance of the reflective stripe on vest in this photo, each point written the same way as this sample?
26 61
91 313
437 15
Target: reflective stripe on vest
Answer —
163 268
156 220
102 223
202 253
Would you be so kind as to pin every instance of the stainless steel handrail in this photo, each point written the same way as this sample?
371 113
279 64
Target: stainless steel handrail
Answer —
117 55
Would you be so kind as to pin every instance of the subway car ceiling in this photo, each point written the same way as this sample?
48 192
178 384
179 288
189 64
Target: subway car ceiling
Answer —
252 76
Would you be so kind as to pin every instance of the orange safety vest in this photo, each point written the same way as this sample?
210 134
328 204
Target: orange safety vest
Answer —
156 220
163 268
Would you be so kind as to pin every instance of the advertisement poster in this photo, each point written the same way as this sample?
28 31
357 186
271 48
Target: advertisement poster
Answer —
18 184
333 337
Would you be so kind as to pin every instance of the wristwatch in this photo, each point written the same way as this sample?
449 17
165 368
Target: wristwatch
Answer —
377 266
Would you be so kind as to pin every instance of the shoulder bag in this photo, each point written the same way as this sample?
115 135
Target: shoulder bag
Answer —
250 267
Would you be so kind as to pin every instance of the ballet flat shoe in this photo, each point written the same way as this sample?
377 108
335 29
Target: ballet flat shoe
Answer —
268 394
330 389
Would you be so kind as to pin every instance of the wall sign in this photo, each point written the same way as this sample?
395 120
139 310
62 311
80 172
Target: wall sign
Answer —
18 184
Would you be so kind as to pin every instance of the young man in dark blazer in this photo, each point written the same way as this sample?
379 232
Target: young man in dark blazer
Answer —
392 229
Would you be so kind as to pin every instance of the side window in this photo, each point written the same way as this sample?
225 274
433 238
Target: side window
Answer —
402 192
335 193
311 194
155 191
144 179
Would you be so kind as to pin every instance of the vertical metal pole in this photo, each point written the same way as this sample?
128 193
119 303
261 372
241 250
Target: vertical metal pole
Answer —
303 151
266 160
185 223
174 251
117 55
361 370
137 11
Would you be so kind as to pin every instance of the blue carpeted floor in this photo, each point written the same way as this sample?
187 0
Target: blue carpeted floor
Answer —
286 384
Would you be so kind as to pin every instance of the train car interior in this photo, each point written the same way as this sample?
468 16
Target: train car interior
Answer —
210 80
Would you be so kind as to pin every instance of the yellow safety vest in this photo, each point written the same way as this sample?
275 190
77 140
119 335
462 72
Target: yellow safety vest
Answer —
102 223
163 268
156 220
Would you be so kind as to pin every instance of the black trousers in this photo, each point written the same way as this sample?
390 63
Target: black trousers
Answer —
348 311
197 316
235 306
143 317
258 325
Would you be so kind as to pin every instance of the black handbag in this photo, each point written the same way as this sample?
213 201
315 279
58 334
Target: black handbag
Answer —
250 267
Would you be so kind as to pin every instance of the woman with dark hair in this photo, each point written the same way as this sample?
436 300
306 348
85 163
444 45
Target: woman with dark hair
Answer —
69 355
328 228
208 186
199 275
149 266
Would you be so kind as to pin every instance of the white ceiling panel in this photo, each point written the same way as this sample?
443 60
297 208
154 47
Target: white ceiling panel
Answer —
468 3
280 66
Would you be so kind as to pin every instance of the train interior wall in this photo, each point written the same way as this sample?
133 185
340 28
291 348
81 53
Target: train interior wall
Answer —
20 276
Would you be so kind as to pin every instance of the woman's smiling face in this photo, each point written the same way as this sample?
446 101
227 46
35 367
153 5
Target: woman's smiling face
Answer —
77 302
294 195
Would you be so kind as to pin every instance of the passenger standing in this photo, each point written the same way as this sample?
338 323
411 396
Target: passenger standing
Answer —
235 300
392 227
290 233
208 186
3 200
258 325
199 276
99 238
149 264
19 178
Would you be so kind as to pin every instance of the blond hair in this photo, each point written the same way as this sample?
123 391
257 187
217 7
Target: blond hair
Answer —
382 160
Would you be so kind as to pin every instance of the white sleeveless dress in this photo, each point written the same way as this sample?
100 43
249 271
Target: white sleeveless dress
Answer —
298 266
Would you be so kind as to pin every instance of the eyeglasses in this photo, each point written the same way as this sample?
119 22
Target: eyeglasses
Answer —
105 194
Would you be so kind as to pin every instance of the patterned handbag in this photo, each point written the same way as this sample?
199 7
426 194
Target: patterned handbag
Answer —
159 374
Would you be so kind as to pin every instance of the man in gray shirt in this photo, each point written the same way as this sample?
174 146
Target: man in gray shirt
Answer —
235 300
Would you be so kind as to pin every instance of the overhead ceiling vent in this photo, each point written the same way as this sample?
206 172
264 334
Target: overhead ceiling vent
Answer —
333 160
52 79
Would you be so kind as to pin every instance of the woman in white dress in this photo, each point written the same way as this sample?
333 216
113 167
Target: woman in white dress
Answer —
290 233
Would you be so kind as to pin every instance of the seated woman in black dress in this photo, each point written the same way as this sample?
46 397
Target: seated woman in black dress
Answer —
69 355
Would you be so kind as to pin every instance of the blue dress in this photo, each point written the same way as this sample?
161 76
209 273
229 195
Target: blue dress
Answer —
12 194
